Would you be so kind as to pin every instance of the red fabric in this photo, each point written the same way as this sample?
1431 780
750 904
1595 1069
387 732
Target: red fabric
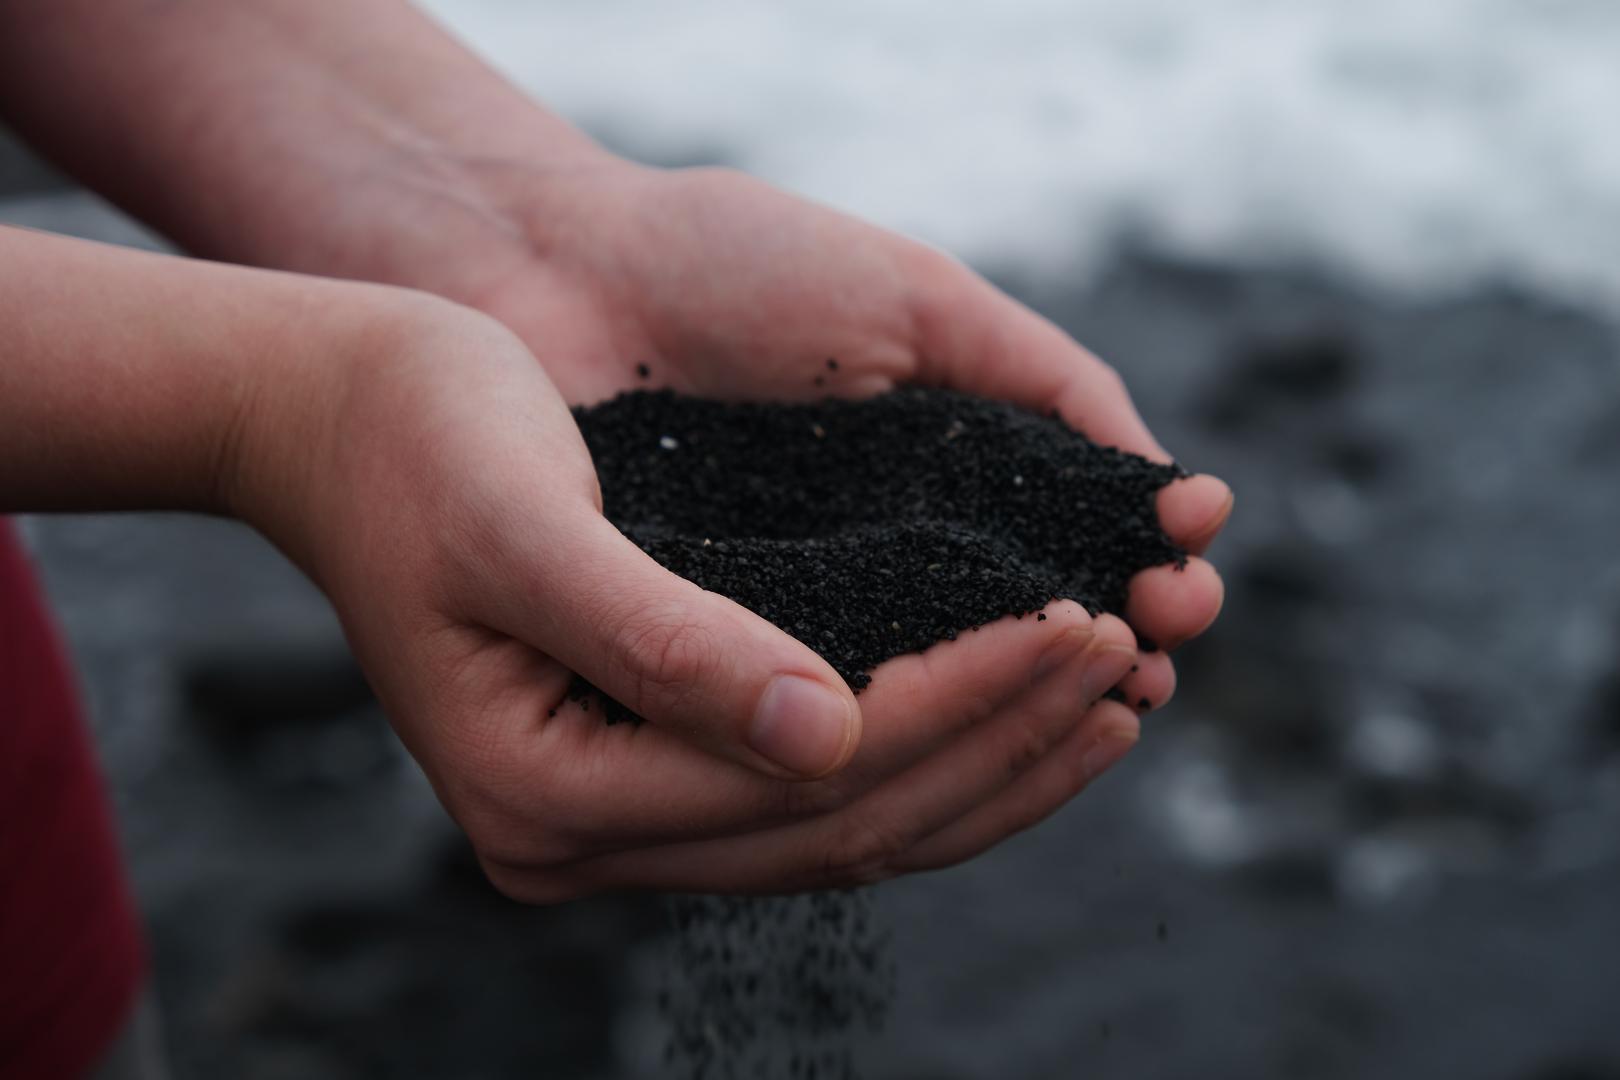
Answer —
71 955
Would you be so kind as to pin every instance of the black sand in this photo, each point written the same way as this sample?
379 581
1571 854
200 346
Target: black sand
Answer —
866 529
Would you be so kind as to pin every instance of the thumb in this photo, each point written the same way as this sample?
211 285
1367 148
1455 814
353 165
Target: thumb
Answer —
693 661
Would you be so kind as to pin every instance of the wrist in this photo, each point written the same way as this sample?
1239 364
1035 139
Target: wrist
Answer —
276 449
148 402
335 422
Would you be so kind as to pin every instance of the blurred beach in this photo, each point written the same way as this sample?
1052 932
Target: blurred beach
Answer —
1361 261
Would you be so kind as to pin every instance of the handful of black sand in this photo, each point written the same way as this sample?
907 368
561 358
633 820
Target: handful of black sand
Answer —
872 528
866 529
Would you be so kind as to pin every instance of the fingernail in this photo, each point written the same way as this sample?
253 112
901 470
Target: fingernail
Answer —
802 725
1105 753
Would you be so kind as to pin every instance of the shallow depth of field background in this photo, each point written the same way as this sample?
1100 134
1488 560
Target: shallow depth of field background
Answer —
1363 260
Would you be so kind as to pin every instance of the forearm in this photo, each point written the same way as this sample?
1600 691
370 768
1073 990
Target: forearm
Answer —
130 380
352 139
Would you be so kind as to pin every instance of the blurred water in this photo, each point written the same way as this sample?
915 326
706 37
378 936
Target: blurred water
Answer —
1423 145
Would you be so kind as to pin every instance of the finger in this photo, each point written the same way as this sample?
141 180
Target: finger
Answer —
598 788
973 337
1151 682
1168 605
690 661
540 780
860 843
1103 737
1193 510
918 702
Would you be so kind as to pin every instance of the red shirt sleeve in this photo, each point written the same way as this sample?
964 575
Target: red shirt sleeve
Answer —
71 953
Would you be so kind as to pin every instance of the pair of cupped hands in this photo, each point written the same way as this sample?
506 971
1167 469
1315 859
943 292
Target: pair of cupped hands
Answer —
440 492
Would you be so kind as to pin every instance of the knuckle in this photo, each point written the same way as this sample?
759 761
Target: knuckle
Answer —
524 826
530 887
863 851
1027 746
527 830
523 849
667 655
540 809
812 799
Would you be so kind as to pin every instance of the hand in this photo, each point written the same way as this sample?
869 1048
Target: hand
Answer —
725 287
448 508
434 484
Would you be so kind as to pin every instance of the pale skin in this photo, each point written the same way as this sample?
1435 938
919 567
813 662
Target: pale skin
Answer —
414 453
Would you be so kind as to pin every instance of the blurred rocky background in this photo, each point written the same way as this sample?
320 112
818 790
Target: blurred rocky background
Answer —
1359 260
